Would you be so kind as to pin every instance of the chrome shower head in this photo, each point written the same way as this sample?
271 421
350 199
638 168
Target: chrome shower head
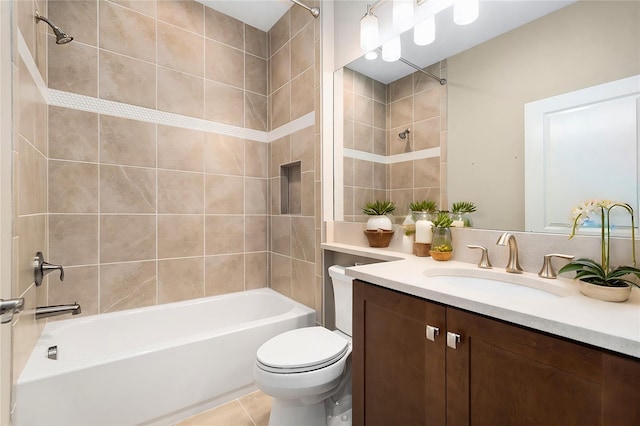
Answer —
314 11
403 135
61 36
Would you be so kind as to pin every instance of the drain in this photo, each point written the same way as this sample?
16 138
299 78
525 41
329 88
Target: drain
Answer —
52 352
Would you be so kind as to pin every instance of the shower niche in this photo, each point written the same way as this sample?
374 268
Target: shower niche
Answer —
291 189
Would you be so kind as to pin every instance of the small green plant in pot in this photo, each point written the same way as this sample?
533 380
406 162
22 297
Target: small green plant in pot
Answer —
378 211
600 280
425 206
442 242
379 226
461 212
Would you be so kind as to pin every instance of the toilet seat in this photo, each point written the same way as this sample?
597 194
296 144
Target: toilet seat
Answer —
301 350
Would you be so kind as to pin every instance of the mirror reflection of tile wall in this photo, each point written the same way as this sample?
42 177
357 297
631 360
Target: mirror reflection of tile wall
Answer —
374 115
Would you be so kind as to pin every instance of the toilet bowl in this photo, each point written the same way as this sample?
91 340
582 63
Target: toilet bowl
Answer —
307 371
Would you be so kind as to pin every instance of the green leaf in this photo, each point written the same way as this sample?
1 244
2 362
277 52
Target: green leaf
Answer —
625 270
570 267
463 207
587 275
423 206
443 220
378 208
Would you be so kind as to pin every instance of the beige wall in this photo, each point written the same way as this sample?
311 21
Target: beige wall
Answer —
365 129
294 86
419 102
374 115
142 213
582 45
29 179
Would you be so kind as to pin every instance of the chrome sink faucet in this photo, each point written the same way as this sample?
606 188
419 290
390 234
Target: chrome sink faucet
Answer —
513 265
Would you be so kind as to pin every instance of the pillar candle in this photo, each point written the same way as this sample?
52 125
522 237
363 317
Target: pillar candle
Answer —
423 231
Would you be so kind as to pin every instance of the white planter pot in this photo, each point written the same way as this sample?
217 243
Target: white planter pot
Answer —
379 222
608 294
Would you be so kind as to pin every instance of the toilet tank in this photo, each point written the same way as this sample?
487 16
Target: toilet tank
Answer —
343 298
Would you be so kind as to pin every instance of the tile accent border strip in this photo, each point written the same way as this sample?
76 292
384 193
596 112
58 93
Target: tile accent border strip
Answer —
25 54
391 159
118 109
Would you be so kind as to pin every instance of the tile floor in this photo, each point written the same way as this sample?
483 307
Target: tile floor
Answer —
250 410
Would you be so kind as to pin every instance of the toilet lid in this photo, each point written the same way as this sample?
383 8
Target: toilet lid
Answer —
303 349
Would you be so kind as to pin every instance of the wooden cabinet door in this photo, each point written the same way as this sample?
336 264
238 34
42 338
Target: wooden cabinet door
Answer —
502 374
398 375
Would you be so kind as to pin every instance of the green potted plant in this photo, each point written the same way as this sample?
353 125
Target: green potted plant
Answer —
421 208
460 213
600 280
442 242
379 227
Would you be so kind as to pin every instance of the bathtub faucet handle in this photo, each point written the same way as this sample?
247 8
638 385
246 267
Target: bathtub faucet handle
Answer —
42 268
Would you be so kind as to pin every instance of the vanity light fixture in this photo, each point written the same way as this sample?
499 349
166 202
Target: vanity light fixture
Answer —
391 50
424 32
465 11
369 30
403 14
371 55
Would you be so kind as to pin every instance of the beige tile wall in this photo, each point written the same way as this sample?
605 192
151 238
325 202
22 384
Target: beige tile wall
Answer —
29 179
375 114
141 213
365 129
419 102
294 88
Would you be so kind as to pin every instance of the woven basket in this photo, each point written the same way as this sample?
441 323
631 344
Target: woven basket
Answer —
379 238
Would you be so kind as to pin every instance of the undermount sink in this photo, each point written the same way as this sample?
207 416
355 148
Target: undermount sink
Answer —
497 282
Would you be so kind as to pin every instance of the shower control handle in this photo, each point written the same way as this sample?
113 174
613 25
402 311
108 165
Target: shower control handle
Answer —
42 268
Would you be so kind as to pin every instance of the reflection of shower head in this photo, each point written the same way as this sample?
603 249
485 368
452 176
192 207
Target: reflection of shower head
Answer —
403 135
315 11
61 36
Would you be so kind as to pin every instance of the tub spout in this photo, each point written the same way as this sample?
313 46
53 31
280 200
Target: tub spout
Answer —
52 311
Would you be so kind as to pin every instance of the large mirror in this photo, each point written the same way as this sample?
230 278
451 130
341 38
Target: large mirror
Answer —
467 138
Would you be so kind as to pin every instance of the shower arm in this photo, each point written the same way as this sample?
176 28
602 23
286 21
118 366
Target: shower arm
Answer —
442 81
313 10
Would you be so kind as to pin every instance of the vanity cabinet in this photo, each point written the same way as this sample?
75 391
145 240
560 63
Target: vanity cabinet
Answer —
497 374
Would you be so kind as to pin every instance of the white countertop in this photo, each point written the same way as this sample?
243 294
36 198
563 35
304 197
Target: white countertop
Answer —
613 326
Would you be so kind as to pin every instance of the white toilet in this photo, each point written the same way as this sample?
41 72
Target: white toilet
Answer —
307 371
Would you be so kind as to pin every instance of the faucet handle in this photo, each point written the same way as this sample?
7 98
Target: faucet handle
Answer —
42 268
547 268
484 263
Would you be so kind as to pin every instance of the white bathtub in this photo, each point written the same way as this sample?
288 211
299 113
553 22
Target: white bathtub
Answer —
152 365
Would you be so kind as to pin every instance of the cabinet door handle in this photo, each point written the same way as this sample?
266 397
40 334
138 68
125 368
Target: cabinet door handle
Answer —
432 332
453 339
